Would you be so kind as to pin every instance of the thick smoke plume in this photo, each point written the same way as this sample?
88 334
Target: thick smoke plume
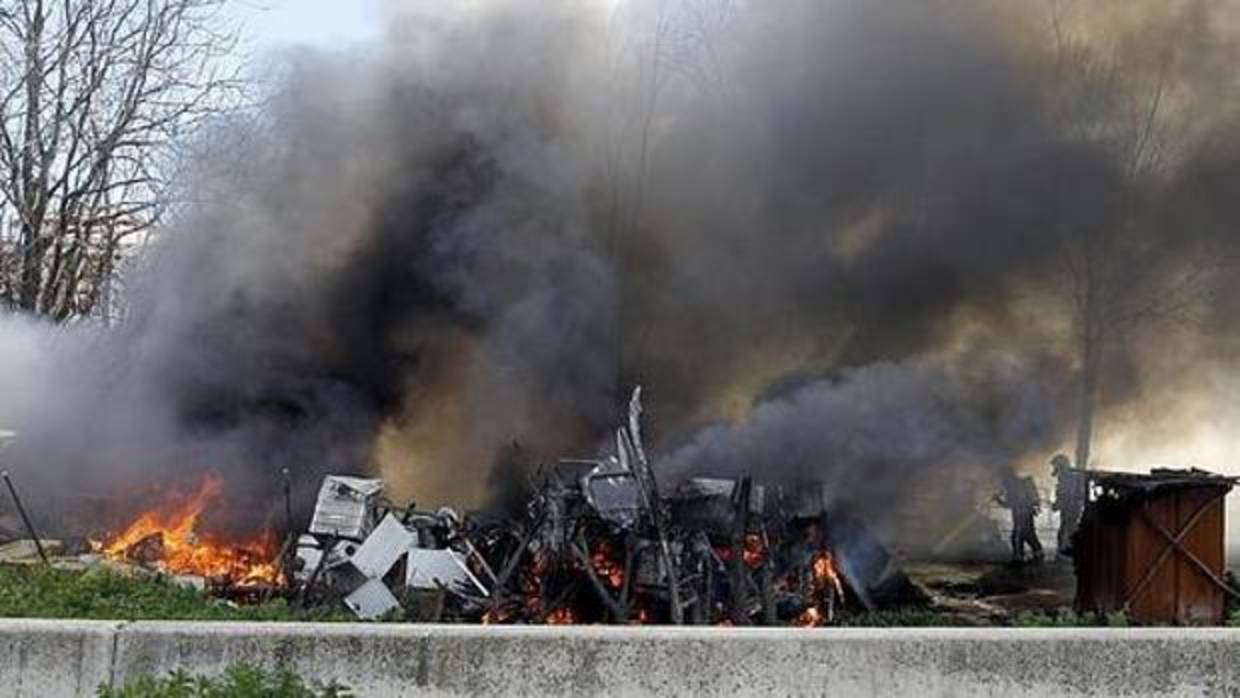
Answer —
830 239
881 424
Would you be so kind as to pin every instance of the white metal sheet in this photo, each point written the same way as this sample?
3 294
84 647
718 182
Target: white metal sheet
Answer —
429 569
383 547
371 600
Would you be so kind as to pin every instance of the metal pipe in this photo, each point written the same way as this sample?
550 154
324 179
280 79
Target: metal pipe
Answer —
288 502
21 511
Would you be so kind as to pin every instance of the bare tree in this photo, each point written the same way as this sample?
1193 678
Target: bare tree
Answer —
92 93
654 45
1133 108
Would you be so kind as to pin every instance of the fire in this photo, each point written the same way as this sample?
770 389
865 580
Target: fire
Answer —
606 567
167 540
825 576
532 583
754 551
495 616
826 589
811 618
561 616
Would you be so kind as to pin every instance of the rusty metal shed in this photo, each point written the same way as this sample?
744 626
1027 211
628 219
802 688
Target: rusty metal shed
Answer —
1151 545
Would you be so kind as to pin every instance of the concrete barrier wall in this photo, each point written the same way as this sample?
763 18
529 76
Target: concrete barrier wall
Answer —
55 658
50 658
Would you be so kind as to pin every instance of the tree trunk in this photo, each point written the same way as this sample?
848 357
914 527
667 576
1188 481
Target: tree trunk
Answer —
32 178
1091 365
1086 391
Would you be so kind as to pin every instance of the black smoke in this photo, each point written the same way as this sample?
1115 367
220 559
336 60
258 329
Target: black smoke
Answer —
828 238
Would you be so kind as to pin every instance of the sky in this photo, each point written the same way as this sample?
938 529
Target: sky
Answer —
273 25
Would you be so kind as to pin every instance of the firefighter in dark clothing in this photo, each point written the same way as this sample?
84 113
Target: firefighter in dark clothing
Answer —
1069 499
1020 496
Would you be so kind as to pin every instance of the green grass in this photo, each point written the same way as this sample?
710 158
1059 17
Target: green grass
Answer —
1069 619
32 591
239 681
925 618
901 618
40 592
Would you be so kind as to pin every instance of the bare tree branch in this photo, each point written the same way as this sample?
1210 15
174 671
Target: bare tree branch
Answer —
93 95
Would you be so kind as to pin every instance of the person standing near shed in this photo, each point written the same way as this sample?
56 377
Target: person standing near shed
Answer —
1020 496
1069 500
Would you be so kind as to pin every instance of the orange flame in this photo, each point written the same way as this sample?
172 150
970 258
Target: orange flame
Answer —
170 539
811 618
825 576
495 616
532 583
561 616
606 567
827 587
754 551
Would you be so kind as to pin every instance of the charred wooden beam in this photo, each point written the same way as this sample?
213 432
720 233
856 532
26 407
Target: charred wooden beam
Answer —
739 574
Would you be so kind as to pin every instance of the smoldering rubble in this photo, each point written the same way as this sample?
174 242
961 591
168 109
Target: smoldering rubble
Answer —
828 233
598 541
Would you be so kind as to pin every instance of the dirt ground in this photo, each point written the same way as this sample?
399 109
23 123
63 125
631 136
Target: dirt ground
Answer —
989 593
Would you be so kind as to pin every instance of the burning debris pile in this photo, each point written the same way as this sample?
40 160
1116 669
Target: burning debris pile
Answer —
598 543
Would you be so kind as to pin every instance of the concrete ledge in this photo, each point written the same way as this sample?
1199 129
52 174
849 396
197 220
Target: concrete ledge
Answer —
55 658
71 658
